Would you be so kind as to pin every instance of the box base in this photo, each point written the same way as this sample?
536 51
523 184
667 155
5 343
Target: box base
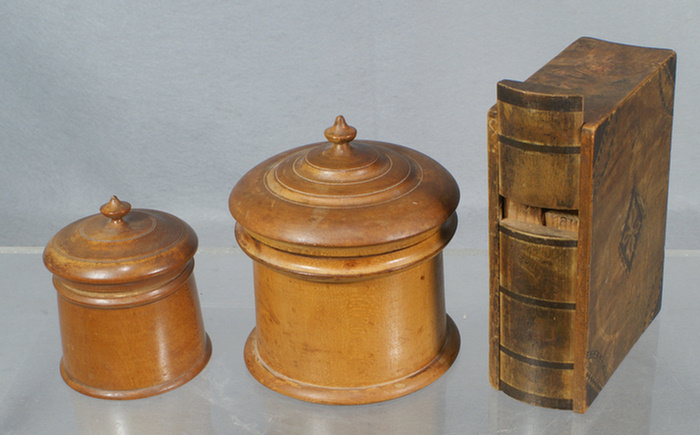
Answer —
141 392
354 396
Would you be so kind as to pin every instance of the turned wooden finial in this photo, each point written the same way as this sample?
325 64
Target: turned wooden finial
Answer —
115 209
340 133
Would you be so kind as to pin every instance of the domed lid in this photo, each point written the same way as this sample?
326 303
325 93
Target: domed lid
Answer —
344 193
120 245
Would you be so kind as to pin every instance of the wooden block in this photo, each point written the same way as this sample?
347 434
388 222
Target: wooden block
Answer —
521 212
561 219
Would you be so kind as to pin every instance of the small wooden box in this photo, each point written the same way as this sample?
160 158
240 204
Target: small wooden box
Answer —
131 325
347 238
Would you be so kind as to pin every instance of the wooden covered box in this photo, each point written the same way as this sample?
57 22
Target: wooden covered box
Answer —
347 239
131 324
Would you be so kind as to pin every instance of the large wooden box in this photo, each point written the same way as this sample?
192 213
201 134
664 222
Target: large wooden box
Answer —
347 238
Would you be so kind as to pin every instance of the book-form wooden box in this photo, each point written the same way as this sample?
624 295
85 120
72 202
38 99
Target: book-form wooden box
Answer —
578 159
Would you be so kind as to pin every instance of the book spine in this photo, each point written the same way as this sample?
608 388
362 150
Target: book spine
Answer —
534 203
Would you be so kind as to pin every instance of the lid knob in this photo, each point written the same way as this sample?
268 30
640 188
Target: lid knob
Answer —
340 133
115 209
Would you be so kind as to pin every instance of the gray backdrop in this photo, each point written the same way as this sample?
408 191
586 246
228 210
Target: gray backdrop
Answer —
168 103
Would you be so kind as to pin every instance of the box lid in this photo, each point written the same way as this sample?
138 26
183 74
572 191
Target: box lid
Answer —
120 245
344 193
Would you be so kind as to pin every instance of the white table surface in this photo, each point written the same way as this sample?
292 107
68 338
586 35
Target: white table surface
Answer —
656 390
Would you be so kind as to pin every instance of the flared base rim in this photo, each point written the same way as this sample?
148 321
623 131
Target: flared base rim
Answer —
140 392
354 396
